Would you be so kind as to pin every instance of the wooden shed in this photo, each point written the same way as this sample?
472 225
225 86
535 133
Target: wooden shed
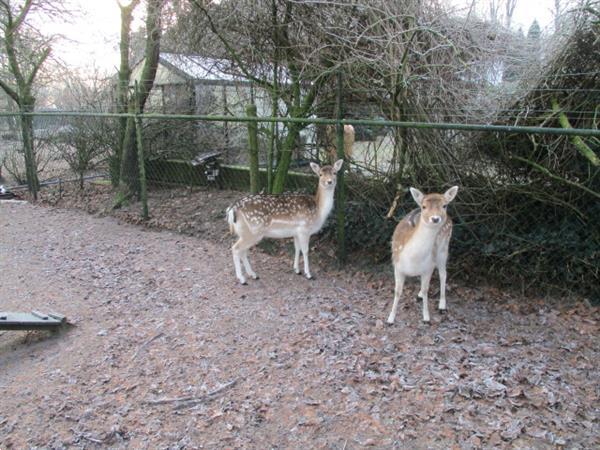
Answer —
192 84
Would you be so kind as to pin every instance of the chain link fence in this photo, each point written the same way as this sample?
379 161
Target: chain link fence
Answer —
527 226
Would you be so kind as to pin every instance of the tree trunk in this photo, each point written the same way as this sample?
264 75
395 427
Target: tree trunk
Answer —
129 173
122 87
22 95
253 150
285 157
33 182
341 185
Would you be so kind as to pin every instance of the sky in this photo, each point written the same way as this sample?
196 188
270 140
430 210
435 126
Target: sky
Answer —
528 10
524 14
93 33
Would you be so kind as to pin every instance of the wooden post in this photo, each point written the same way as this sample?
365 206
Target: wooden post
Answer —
141 159
340 203
253 149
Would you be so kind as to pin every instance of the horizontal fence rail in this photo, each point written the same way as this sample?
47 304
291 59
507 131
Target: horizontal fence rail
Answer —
586 132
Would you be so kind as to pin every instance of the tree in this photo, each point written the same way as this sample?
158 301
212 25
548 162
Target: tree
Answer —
278 46
556 15
26 52
533 40
509 9
129 167
85 142
123 83
534 31
495 13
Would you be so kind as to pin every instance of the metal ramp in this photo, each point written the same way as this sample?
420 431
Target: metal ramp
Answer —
34 320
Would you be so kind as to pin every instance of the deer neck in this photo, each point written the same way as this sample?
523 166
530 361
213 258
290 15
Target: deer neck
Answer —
324 201
424 236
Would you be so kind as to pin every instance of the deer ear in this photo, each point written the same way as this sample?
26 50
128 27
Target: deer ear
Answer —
337 165
315 168
417 195
450 194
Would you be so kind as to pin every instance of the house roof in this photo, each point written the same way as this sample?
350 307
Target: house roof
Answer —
196 67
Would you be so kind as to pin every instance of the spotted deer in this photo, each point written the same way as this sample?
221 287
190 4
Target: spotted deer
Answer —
297 216
420 244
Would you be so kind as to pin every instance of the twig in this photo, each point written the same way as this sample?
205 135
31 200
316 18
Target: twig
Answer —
394 206
577 141
162 401
95 441
186 402
145 344
222 388
208 396
549 174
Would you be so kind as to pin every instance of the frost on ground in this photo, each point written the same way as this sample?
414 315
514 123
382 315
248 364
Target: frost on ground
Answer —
167 351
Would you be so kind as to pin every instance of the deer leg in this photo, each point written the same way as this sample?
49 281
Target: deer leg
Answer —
303 241
420 295
442 304
240 253
399 277
442 257
247 265
237 262
296 255
425 279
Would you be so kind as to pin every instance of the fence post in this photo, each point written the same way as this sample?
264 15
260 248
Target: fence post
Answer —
253 149
141 160
341 185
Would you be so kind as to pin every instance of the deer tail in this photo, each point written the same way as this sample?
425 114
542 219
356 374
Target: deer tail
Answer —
231 219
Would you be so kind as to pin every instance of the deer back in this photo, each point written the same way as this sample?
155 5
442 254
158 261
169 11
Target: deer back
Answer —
262 211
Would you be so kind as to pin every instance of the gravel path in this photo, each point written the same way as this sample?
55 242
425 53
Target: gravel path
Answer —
167 351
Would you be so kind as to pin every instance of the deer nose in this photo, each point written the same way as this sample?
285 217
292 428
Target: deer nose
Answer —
329 181
436 219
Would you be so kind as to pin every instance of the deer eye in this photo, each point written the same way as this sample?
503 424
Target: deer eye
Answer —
423 207
445 206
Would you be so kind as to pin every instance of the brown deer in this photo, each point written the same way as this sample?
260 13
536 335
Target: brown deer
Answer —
297 216
420 244
331 141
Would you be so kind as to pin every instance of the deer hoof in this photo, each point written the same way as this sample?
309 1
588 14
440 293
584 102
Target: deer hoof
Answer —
426 322
256 277
297 272
310 277
442 310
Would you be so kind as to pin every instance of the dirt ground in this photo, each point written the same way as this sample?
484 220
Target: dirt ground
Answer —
166 351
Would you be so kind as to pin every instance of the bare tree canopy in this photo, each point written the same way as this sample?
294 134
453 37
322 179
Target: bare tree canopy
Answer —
25 50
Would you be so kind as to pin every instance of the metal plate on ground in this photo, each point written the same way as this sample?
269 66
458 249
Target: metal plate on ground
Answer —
31 321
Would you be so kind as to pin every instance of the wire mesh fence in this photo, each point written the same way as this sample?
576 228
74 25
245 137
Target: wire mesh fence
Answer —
520 218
